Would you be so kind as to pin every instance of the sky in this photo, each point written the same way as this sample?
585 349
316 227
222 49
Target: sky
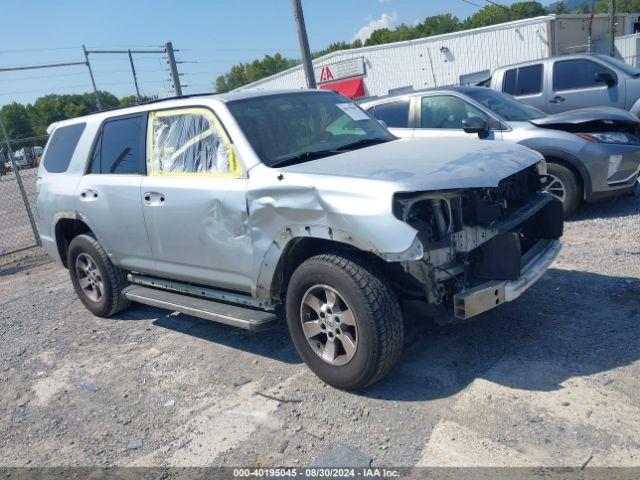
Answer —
211 36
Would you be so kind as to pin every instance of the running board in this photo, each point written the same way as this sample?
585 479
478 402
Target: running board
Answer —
246 318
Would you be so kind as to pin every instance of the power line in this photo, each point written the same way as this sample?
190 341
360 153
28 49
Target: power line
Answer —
497 4
474 4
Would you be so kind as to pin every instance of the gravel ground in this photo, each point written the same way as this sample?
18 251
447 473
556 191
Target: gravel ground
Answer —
551 379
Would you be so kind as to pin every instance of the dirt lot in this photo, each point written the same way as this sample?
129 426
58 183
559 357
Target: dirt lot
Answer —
551 379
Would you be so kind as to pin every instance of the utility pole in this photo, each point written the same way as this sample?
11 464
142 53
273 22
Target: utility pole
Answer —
304 44
173 68
590 37
128 52
93 81
135 78
612 11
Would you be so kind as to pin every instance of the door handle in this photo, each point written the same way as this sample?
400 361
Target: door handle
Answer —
153 198
88 195
557 99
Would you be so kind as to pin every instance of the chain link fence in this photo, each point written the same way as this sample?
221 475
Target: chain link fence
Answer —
19 160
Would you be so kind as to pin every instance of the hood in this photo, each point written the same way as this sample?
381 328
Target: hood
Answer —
591 120
416 164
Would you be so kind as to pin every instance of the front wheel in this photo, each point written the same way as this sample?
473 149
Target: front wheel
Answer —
563 185
344 320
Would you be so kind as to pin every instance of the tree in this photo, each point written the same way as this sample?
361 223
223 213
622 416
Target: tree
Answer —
16 121
494 14
244 73
439 25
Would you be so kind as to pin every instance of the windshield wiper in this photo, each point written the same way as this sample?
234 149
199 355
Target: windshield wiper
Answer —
361 143
303 157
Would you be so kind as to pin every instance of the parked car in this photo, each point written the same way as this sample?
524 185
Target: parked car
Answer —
558 84
235 207
591 153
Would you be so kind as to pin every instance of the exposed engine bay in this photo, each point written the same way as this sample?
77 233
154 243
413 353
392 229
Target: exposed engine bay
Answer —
474 236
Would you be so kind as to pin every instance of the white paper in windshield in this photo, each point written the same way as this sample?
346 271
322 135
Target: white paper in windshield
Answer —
353 111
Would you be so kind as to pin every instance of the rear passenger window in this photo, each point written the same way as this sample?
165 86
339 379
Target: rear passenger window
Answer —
523 80
120 147
394 114
61 146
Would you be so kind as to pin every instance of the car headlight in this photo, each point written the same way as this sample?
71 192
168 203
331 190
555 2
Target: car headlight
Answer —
610 137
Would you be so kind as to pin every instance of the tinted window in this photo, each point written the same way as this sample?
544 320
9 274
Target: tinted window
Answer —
447 112
120 147
572 74
61 146
523 80
509 82
394 114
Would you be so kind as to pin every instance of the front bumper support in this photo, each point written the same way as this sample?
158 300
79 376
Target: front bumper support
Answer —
488 295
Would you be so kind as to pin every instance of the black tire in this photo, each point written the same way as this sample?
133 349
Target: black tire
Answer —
572 187
375 309
113 279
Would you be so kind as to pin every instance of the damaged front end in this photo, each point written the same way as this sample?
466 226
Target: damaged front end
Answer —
482 246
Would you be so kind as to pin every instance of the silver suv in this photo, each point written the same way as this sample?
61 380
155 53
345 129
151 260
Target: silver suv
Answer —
240 207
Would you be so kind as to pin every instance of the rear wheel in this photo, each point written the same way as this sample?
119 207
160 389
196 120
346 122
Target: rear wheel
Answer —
344 320
564 185
97 281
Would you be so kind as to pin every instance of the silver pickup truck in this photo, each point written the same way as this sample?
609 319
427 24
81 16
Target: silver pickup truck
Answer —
243 208
558 84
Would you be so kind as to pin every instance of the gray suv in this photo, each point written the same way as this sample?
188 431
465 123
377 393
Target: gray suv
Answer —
591 154
241 208
558 84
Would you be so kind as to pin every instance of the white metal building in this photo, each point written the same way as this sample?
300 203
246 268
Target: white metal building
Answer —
458 58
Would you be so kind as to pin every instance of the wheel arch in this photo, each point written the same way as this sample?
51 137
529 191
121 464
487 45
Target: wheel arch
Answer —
573 164
295 252
66 229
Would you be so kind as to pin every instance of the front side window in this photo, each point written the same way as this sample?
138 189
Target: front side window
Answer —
579 73
61 146
447 111
288 128
394 114
190 141
120 147
523 81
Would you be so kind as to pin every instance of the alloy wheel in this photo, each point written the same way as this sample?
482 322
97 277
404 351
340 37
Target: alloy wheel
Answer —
89 277
556 187
329 325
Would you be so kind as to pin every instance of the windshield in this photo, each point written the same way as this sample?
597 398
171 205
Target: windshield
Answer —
506 106
625 67
296 127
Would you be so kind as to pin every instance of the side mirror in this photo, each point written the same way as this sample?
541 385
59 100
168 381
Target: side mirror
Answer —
476 125
383 123
607 78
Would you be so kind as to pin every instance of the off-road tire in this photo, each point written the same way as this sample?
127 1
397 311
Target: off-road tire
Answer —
376 310
114 279
573 189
